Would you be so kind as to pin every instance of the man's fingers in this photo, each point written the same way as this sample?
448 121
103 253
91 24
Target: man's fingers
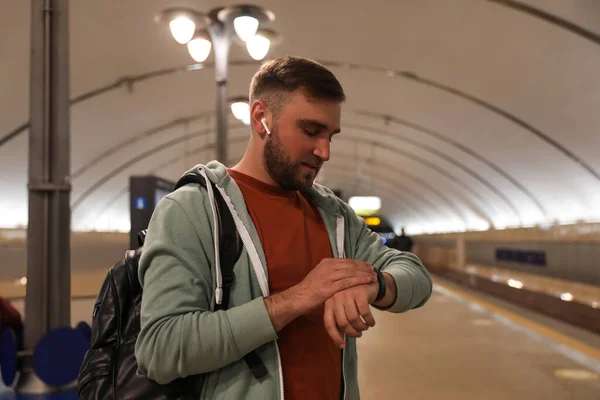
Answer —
349 273
343 323
343 264
353 281
331 326
365 312
353 315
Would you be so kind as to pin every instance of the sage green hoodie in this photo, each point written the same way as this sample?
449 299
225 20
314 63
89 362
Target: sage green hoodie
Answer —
181 336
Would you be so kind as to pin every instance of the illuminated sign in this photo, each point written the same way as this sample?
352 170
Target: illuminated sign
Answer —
365 205
373 221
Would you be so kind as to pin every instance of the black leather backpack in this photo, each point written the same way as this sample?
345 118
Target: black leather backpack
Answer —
109 369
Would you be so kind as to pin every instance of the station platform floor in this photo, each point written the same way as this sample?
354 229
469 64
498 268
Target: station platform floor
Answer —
464 345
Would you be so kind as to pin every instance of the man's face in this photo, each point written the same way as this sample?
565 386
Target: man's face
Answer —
299 143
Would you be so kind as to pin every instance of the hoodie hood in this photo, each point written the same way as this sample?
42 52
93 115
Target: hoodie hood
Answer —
322 196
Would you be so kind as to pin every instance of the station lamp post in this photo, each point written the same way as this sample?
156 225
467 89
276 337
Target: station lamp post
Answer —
216 29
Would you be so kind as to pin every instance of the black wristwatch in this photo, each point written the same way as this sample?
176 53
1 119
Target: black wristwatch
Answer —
382 287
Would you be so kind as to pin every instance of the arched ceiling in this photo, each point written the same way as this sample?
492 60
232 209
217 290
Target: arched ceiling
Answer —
460 114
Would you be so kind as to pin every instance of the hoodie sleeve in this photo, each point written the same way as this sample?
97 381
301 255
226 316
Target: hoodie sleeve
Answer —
179 334
413 282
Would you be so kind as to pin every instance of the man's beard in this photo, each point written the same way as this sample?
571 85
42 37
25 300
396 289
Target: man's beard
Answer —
288 174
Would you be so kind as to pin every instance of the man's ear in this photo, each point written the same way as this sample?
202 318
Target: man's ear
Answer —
260 118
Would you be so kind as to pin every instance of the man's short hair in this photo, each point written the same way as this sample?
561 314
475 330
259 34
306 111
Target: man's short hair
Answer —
276 80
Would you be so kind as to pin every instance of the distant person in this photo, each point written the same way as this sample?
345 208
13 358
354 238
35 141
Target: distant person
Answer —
403 242
307 278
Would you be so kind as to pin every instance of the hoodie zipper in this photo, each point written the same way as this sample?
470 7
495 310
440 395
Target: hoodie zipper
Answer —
341 254
258 268
344 369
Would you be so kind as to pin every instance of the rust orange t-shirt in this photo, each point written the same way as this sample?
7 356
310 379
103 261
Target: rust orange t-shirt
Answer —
294 239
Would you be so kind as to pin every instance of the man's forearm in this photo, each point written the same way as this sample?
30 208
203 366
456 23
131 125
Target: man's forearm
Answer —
391 292
284 307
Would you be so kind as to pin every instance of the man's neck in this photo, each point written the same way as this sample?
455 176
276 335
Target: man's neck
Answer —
254 167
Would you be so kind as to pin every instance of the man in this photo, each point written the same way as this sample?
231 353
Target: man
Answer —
305 280
403 242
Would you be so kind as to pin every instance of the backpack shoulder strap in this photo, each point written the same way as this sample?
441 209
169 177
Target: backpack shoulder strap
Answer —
229 239
230 249
188 178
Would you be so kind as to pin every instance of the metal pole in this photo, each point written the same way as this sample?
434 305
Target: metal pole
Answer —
222 37
48 297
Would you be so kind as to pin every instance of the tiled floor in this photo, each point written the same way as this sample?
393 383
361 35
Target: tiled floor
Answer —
452 349
455 349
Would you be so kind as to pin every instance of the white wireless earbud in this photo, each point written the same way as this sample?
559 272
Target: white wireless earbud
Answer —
264 122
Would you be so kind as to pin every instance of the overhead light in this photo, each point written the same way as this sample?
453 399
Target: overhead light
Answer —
515 284
246 19
199 47
241 110
365 204
258 46
246 121
566 297
245 27
182 29
21 282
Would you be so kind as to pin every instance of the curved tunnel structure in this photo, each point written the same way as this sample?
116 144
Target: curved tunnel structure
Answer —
475 140
475 122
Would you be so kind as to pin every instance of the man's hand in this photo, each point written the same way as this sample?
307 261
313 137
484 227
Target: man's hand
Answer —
349 312
331 276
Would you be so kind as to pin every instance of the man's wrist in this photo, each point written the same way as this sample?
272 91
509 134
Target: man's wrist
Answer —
381 286
391 292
